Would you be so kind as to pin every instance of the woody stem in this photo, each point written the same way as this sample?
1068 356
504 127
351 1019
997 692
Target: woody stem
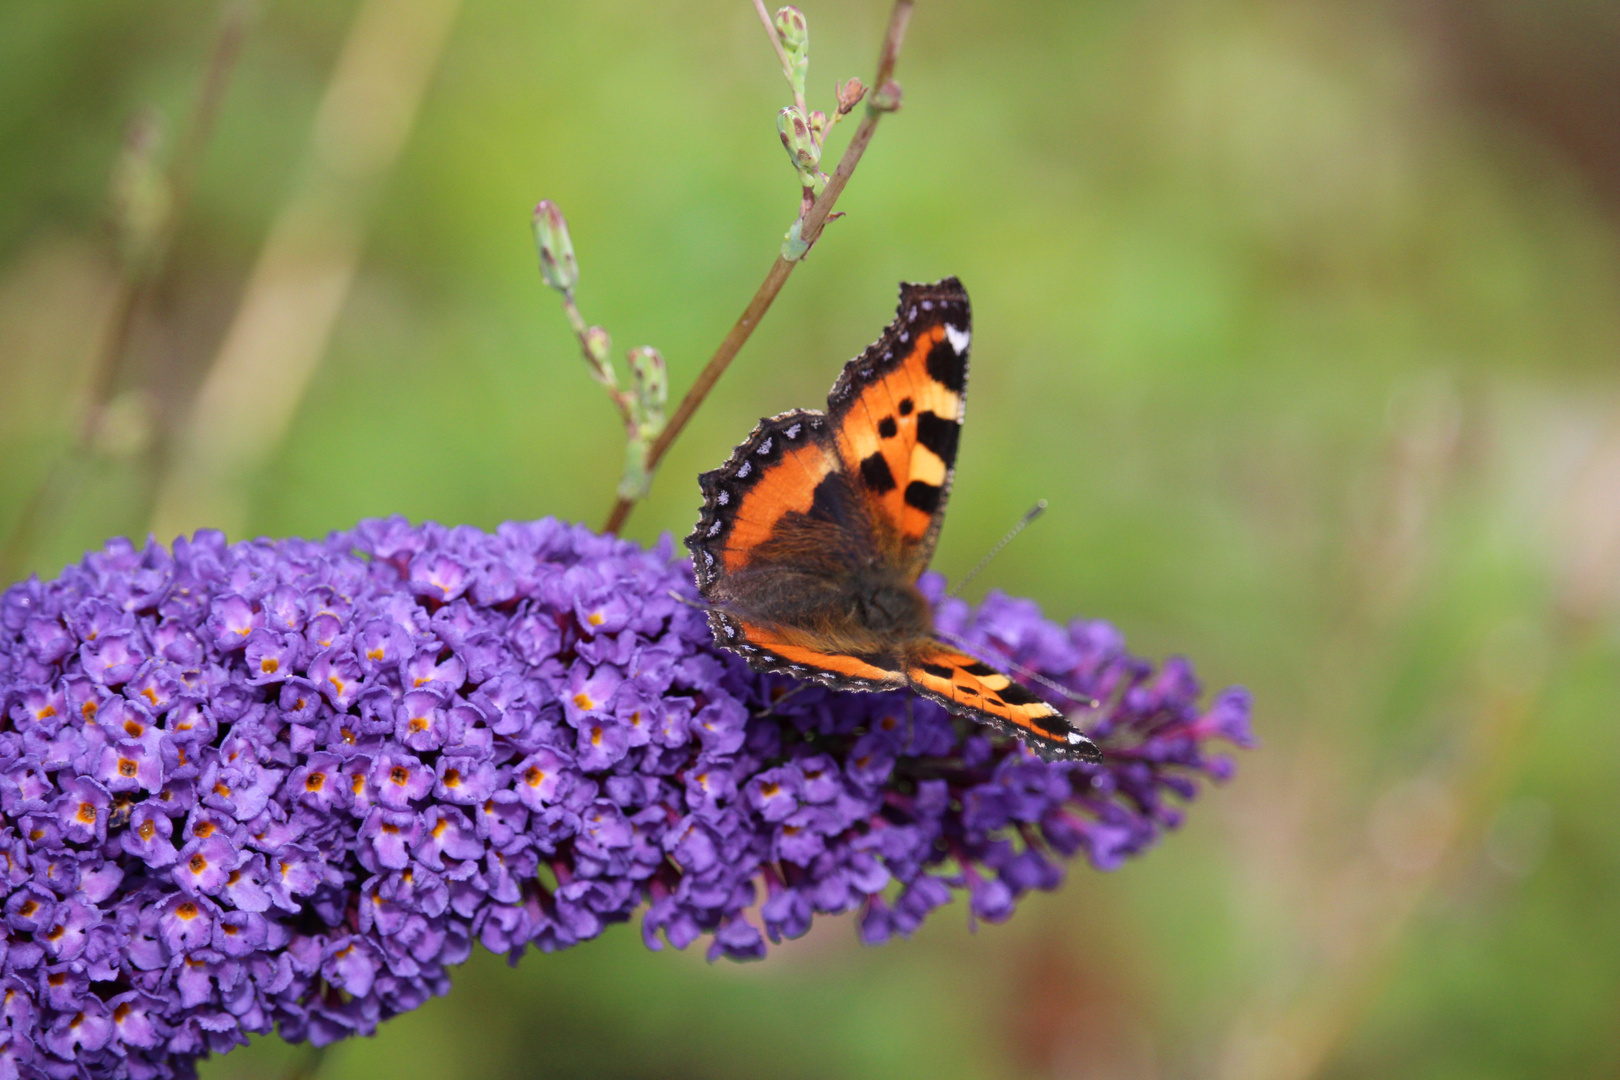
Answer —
809 230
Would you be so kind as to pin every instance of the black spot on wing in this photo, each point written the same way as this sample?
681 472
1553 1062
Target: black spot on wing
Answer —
888 428
1013 694
937 670
922 496
1053 723
946 366
922 308
831 501
876 475
906 406
939 435
979 669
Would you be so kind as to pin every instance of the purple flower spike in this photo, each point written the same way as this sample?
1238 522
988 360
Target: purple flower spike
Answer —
287 785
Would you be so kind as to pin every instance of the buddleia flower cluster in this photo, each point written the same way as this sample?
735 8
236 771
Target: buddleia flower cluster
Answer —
287 785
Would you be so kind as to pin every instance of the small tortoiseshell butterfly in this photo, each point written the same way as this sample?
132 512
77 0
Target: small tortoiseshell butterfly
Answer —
814 533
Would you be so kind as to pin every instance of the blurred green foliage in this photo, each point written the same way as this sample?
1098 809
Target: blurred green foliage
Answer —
1303 316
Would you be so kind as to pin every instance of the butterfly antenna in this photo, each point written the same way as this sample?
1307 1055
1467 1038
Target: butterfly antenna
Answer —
678 598
1034 512
1007 661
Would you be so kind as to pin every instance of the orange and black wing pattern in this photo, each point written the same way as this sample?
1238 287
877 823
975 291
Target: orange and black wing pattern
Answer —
777 546
769 648
895 415
770 482
967 685
814 531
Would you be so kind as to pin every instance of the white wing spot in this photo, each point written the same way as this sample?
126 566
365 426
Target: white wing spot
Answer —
1075 738
764 448
904 337
746 468
912 314
928 305
714 530
959 338
792 432
724 498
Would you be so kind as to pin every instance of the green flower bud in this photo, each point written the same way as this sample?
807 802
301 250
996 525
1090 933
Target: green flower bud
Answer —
794 34
140 191
799 141
651 382
792 28
557 263
636 479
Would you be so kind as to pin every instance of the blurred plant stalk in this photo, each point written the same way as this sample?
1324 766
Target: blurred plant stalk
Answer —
802 135
301 281
1422 835
147 206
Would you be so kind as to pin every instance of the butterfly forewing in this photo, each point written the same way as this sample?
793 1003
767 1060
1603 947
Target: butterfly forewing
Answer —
896 414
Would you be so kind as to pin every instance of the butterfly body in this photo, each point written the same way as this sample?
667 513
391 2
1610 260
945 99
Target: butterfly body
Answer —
814 532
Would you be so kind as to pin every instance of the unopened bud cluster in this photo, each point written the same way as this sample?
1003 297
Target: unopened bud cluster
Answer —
557 263
641 406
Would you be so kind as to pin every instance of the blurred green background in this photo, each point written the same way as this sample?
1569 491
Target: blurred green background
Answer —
1303 315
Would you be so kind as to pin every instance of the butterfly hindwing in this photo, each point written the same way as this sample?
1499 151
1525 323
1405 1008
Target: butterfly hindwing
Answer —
966 684
895 415
768 649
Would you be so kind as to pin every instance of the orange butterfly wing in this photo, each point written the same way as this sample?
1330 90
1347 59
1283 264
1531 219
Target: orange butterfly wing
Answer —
775 649
965 684
896 415
775 472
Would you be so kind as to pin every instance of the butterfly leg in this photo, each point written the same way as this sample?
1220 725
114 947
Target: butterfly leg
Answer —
771 708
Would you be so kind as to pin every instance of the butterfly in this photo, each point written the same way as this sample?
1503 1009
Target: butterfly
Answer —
814 533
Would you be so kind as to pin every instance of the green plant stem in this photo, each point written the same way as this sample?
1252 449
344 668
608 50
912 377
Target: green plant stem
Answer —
309 1065
601 372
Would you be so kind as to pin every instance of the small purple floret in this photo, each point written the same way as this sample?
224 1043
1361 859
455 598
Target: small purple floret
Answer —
288 785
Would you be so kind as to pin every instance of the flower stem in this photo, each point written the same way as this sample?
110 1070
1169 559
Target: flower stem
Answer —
306 266
883 99
136 288
137 284
308 1066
